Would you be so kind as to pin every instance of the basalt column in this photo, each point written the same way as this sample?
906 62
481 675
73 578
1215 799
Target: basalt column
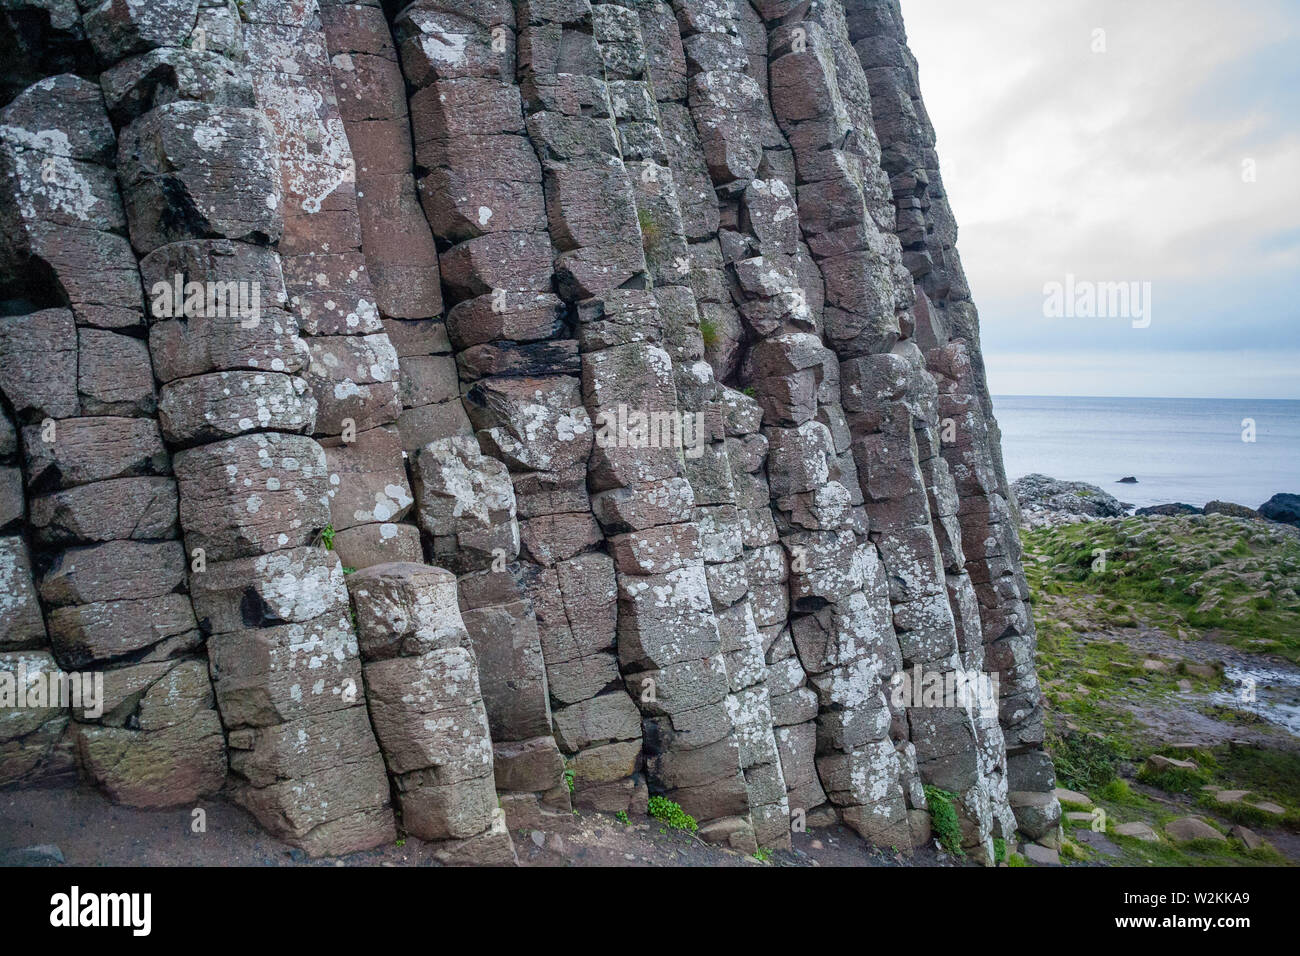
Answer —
840 641
199 166
110 567
373 521
820 97
947 328
480 189
669 646
707 465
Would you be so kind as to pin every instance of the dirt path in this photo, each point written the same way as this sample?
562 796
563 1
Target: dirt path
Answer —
90 831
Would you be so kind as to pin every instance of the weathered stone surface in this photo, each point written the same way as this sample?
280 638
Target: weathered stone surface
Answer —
34 744
117 569
21 624
83 634
134 508
194 170
466 504
626 206
79 451
38 364
423 691
252 494
368 480
225 404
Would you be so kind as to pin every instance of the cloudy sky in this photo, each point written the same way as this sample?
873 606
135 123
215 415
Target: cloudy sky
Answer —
1124 140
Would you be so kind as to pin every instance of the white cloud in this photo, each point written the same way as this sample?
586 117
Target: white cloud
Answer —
1125 164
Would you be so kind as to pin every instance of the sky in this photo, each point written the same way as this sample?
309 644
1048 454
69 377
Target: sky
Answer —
1123 141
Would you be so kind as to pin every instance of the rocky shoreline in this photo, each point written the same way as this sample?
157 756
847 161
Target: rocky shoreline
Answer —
1046 502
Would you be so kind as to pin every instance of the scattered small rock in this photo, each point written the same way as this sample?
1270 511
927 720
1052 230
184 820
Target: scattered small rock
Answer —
1186 829
1072 796
1249 837
1041 855
1269 807
1159 764
1231 796
1138 830
44 854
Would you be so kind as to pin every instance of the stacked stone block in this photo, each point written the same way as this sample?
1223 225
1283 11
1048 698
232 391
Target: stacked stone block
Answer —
947 329
111 570
676 436
494 278
422 688
203 190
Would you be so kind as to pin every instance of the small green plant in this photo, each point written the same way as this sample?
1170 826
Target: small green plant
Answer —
327 537
348 570
621 817
569 778
1017 860
943 818
664 810
999 850
762 854
750 390
709 332
401 842
650 231
1083 761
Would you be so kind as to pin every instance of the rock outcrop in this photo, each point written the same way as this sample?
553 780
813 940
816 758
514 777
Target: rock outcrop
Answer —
457 413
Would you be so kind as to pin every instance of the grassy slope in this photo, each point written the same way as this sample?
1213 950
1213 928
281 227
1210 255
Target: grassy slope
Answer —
1212 578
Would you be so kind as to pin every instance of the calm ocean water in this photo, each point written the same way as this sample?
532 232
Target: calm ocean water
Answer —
1179 449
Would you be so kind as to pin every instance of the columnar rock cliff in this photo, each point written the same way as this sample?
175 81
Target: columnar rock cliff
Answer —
441 415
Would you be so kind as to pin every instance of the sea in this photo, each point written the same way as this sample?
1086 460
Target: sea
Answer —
1192 450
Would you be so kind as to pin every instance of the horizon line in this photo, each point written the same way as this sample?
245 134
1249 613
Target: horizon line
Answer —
1163 398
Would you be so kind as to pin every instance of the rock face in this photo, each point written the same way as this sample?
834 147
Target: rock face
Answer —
1282 507
1045 500
464 412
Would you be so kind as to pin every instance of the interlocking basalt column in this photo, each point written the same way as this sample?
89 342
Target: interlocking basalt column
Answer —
669 646
821 99
699 394
947 328
112 572
480 189
199 167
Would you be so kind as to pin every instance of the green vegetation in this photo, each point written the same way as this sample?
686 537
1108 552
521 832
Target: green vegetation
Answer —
943 819
327 537
709 332
666 811
1190 573
762 854
621 817
570 779
999 850
651 233
1113 601
1084 761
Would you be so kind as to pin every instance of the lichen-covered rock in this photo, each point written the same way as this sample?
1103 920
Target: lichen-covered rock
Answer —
675 433
422 685
466 504
21 624
252 494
